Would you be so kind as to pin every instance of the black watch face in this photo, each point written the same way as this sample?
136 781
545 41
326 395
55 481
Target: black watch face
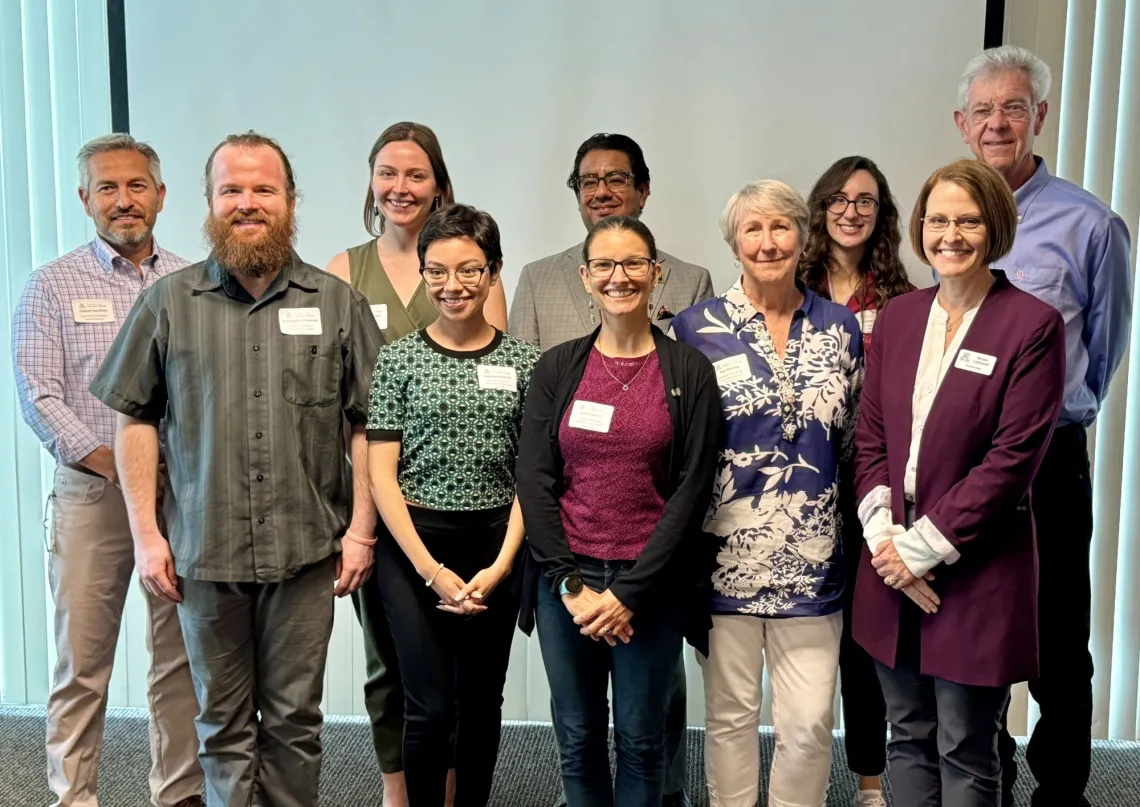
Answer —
573 583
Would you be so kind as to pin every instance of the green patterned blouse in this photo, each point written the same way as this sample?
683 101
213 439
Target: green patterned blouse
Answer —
457 416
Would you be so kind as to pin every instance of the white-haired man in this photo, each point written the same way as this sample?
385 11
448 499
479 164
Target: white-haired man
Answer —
1072 252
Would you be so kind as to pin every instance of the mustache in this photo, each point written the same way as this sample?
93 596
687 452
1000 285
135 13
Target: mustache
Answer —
240 217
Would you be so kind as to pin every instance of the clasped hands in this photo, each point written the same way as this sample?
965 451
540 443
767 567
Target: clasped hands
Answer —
602 616
890 566
459 597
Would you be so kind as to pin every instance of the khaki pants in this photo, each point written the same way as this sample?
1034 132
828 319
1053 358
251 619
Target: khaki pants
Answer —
803 663
91 559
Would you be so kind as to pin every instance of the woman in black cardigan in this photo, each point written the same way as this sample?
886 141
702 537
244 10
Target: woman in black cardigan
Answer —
615 471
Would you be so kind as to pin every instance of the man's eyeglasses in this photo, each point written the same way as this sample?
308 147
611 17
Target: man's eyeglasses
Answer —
864 205
967 224
615 181
604 267
436 276
1014 111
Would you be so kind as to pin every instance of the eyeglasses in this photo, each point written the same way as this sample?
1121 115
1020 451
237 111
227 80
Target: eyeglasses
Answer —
604 267
1013 111
436 276
615 181
967 224
864 205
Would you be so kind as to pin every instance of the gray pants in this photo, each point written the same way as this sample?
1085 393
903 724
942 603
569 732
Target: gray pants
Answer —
258 650
944 739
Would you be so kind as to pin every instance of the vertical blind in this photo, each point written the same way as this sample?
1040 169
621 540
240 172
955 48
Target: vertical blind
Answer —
1093 48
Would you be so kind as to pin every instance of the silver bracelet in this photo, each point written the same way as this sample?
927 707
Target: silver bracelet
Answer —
434 576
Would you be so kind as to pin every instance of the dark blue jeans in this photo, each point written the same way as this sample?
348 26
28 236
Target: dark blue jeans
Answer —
580 670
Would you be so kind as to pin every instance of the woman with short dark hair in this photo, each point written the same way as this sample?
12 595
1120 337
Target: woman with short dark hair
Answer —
443 428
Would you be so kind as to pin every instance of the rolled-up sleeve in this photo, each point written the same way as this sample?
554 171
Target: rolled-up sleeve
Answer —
132 378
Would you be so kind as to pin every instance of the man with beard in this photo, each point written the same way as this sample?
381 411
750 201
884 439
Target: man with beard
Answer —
62 328
255 357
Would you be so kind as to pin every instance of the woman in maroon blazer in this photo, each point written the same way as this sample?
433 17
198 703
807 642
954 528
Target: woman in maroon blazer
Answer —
963 387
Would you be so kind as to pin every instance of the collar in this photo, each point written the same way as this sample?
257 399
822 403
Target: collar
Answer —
108 256
1027 193
212 276
740 308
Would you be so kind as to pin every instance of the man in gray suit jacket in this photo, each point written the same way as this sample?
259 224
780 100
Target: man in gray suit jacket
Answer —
551 306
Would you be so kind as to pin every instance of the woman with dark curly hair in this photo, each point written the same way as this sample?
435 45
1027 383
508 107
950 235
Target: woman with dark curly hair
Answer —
852 258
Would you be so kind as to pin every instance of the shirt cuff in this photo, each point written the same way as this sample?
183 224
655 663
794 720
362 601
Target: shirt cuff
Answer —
384 435
875 515
923 547
891 531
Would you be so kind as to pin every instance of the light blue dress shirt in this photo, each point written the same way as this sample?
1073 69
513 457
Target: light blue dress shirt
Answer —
1073 252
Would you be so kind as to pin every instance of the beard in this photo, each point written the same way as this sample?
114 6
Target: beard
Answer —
242 255
130 236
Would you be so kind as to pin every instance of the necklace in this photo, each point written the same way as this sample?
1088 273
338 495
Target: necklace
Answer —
625 384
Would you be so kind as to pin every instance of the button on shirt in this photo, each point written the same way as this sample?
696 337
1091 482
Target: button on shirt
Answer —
1073 252
63 325
774 499
254 391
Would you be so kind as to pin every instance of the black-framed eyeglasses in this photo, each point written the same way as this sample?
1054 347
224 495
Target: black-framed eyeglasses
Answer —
604 267
615 181
436 276
864 205
967 224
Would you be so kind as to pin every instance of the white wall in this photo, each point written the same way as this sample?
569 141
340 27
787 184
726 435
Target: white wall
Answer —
717 93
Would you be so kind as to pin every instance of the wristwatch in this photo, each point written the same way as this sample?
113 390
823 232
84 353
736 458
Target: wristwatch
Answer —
571 584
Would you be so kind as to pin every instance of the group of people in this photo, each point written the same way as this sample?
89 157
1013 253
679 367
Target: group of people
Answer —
821 469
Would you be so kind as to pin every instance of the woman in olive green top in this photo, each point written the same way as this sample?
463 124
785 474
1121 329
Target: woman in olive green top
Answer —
409 180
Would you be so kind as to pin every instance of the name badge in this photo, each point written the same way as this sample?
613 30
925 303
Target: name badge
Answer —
867 320
492 377
975 362
300 321
380 313
93 310
594 417
732 370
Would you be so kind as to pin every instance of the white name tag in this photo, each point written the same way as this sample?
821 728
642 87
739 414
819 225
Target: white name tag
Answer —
380 312
93 310
300 321
732 370
866 320
594 417
975 362
492 377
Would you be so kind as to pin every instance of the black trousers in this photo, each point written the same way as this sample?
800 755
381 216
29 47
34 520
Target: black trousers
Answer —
453 667
864 712
1060 748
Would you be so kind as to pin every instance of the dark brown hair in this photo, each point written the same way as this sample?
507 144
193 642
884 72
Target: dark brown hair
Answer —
462 221
989 191
422 136
629 223
251 139
881 251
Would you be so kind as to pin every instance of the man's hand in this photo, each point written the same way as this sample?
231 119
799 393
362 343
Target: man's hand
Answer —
155 563
102 462
353 567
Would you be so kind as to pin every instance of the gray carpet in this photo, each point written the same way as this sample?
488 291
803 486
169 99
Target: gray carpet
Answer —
526 776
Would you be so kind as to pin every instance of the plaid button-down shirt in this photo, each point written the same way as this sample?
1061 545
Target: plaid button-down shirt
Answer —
55 355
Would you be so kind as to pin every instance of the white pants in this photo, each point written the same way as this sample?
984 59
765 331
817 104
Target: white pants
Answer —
803 663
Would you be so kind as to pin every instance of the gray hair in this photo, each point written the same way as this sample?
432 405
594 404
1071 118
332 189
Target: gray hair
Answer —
764 196
116 142
1007 58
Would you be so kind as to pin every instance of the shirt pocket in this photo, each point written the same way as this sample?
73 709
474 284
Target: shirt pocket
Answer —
311 375
1043 282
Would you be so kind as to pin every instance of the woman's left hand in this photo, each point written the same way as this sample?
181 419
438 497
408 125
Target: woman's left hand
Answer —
608 617
890 566
473 595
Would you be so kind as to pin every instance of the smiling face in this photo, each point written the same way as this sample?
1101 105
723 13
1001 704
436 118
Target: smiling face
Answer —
768 247
851 228
607 199
1001 121
617 292
953 252
403 184
458 299
122 199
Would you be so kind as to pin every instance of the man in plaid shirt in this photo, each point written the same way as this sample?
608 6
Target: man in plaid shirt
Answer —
63 325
